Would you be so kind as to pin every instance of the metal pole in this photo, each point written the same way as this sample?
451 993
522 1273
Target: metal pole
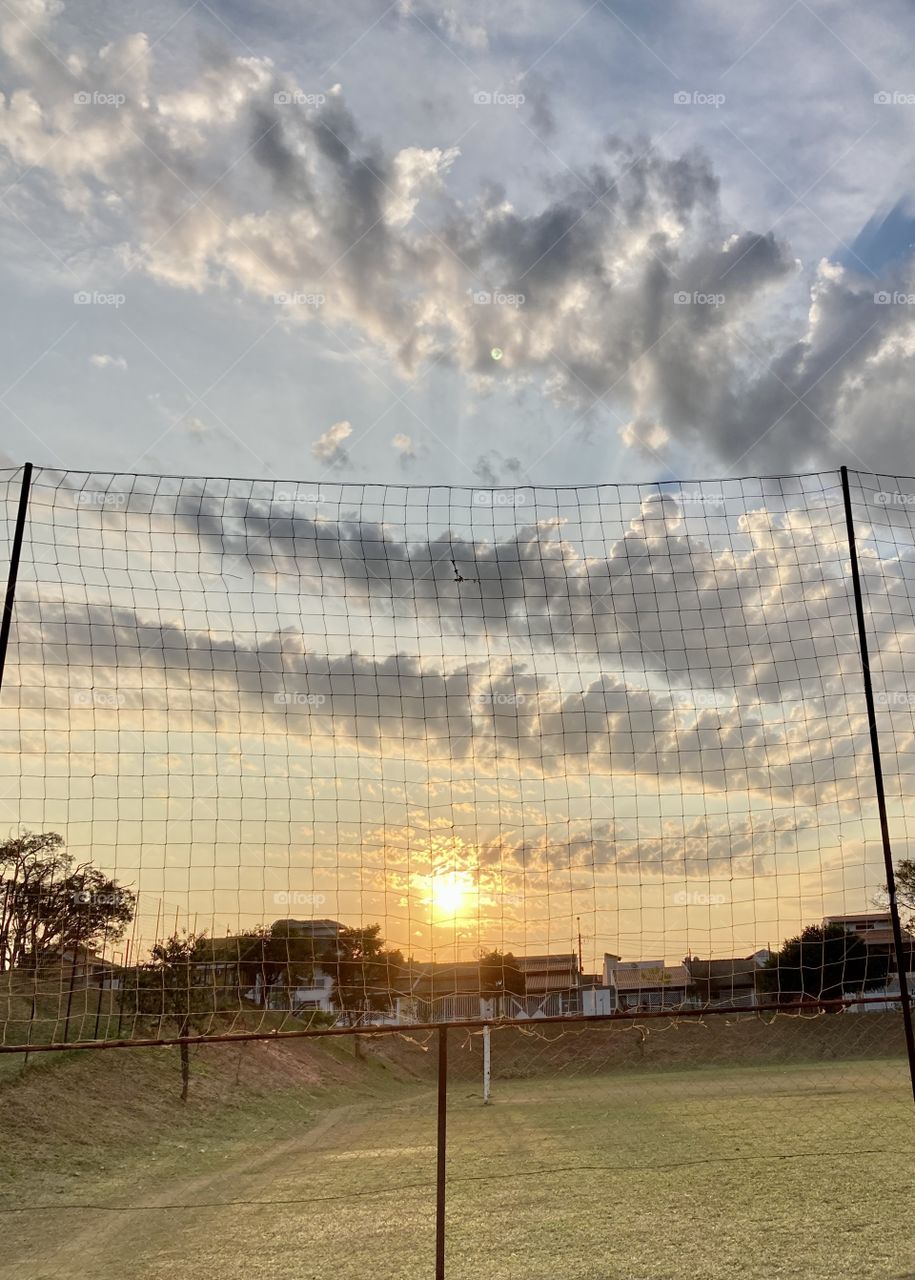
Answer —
15 556
440 1169
878 780
487 1065
73 965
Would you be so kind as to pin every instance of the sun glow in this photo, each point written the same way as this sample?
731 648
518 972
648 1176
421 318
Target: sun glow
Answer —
450 891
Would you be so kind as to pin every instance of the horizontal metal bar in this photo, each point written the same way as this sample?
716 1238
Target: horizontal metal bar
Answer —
469 1024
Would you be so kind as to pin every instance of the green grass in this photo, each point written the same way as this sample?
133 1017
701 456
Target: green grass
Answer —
800 1171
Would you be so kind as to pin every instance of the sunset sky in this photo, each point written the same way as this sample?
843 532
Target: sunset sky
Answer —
401 675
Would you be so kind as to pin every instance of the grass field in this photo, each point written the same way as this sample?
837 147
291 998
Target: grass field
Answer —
745 1172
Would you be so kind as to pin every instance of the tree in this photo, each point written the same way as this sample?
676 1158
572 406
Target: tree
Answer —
365 972
500 974
176 985
49 902
277 957
905 889
820 963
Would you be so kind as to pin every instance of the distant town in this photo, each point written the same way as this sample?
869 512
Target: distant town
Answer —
336 972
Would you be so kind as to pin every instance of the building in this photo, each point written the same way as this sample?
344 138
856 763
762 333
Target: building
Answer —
79 968
875 929
552 985
729 984
532 987
647 984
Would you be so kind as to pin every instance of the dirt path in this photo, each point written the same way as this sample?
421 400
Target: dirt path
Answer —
304 1206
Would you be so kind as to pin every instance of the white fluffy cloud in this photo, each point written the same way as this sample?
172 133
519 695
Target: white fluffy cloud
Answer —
329 448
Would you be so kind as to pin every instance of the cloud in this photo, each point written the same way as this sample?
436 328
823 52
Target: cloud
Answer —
582 282
108 362
329 447
621 292
404 447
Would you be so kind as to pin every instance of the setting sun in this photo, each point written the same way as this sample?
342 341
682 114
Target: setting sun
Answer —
449 893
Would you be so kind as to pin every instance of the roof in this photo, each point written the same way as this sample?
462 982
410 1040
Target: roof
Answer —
536 964
647 975
858 915
723 970
884 938
556 980
322 928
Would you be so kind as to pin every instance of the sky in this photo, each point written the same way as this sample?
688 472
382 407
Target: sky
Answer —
499 248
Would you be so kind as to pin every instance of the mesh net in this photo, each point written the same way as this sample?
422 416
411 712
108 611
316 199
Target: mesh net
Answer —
319 760
376 753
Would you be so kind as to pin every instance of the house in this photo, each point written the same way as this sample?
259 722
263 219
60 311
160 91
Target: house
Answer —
236 970
79 967
647 984
537 986
875 930
551 985
729 984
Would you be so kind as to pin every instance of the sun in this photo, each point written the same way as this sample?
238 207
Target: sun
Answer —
449 893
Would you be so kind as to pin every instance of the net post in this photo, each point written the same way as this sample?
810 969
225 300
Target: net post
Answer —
440 1152
15 556
487 1065
878 781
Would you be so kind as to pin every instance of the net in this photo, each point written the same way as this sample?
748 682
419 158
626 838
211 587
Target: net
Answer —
281 757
